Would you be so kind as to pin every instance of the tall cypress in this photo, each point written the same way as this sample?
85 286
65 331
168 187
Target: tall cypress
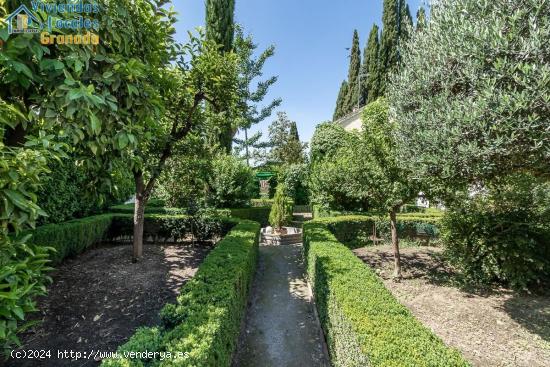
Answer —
370 68
421 19
220 25
388 42
352 97
293 134
405 22
220 28
338 111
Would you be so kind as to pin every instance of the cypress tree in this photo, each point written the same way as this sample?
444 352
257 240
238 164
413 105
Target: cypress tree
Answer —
338 112
370 68
405 22
352 97
420 19
388 42
220 26
294 131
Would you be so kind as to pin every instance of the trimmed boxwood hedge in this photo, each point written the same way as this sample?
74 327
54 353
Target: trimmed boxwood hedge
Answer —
203 327
149 209
260 215
364 324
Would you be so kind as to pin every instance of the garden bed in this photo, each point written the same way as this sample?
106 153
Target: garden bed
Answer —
99 299
495 327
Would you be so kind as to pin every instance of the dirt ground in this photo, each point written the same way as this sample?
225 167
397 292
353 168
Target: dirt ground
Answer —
100 298
495 327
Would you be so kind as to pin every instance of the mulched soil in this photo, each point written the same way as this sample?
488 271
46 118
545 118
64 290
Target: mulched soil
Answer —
492 327
100 298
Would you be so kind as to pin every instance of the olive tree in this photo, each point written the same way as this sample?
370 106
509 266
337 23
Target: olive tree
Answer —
471 99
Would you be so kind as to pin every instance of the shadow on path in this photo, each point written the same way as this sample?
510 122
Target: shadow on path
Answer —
281 328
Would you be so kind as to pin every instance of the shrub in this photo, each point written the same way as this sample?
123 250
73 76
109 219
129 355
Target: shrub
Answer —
23 278
204 325
364 324
295 179
149 209
72 237
503 234
281 210
260 215
231 183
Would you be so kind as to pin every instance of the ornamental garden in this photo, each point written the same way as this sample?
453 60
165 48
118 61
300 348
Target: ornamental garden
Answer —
143 223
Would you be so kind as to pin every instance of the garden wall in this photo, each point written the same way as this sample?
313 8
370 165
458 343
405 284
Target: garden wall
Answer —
363 323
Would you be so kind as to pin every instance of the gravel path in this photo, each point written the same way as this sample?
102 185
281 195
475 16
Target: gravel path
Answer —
281 328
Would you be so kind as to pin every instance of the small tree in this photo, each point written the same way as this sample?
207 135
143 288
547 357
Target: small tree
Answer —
281 211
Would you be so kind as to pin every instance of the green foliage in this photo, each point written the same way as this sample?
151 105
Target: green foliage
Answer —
220 26
351 101
72 237
69 191
388 42
281 210
363 322
206 321
339 110
370 68
295 178
230 183
23 278
468 101
421 20
260 215
284 142
502 233
326 140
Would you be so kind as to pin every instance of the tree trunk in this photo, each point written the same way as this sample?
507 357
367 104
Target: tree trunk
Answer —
139 216
395 243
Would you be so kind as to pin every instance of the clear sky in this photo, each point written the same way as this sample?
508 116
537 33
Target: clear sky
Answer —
311 37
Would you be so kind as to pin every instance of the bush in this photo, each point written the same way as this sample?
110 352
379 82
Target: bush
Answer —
281 210
23 278
295 179
72 237
260 215
204 325
364 324
149 209
231 183
503 234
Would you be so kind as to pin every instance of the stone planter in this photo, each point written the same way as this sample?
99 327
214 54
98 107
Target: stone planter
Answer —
291 237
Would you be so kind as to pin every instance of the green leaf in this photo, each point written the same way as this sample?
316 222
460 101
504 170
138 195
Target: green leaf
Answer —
96 124
122 141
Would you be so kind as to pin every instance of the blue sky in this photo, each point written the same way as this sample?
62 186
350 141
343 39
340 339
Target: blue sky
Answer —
311 37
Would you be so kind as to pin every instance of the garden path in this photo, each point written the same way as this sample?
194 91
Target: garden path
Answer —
281 328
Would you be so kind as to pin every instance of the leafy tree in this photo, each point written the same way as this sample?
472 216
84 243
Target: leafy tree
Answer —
339 111
286 147
327 139
231 183
468 101
370 68
295 178
188 87
281 210
250 69
220 25
421 20
98 99
352 96
388 41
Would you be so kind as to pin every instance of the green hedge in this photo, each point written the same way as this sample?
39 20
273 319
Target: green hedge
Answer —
364 324
72 237
149 209
203 327
260 215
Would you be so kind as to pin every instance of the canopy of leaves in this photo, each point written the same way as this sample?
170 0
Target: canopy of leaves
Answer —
471 100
